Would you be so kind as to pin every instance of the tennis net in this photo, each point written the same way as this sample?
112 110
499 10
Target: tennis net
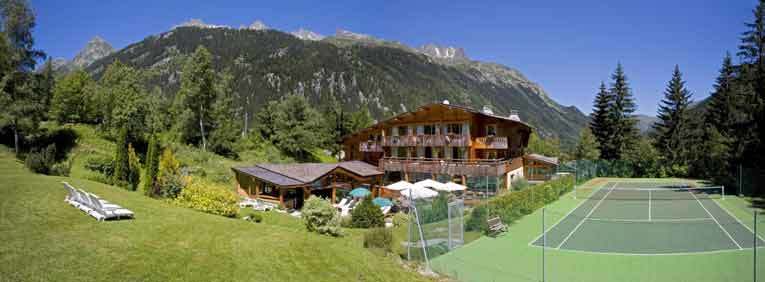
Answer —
667 193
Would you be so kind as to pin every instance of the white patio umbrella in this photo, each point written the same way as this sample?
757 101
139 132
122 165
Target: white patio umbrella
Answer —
398 186
430 183
451 187
418 192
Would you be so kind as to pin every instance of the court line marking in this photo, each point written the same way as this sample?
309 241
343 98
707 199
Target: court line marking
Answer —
649 205
584 200
718 223
651 221
739 221
729 250
586 216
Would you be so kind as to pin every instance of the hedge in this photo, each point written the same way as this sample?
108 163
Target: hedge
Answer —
514 205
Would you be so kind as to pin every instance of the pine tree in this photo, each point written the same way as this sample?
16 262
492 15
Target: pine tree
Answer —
121 159
152 167
601 124
225 128
672 129
22 106
587 147
621 114
194 101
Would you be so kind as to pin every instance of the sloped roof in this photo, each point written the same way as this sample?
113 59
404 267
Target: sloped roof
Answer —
448 106
305 173
542 158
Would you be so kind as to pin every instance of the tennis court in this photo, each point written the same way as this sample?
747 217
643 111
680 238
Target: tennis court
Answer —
649 219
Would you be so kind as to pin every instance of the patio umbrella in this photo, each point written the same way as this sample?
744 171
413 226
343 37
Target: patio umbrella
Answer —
360 192
418 192
383 202
398 186
430 183
451 186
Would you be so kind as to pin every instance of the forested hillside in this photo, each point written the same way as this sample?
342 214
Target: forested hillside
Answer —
267 65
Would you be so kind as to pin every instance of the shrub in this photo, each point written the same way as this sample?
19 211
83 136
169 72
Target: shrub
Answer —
512 206
400 219
252 216
209 198
346 222
319 216
520 184
437 210
101 164
134 169
477 219
170 180
61 168
41 161
381 238
366 214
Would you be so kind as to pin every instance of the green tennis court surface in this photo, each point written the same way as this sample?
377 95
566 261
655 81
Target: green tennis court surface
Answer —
618 241
668 218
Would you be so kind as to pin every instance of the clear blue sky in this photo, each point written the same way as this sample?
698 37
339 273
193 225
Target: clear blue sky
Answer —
566 46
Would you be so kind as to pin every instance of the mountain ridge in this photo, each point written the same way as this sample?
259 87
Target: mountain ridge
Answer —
354 69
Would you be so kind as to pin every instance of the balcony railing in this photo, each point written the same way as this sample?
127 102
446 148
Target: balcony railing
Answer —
450 140
475 167
491 142
370 146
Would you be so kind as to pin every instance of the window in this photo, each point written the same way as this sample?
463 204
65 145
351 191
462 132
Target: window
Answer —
429 129
402 130
429 152
491 130
454 128
401 152
456 153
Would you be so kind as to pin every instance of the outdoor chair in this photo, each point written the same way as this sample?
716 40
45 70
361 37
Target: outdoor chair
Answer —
341 203
385 210
107 211
496 226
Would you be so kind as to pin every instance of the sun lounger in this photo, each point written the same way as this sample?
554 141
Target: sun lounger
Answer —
95 206
341 203
385 210
107 211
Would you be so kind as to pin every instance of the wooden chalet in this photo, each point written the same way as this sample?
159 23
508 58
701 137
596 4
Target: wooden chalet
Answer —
288 185
539 168
444 142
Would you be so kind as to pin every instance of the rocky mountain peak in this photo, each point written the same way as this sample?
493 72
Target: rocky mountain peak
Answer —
258 25
307 34
96 48
443 52
347 34
199 23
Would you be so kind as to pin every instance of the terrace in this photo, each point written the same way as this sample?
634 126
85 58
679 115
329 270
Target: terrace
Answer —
473 167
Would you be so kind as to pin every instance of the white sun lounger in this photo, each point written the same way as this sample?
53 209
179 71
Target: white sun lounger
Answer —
95 206
107 211
385 210
341 203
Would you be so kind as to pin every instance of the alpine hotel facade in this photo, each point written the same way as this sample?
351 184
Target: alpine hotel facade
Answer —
445 142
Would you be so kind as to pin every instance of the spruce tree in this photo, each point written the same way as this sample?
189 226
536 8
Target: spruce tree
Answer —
621 114
722 104
121 160
752 51
601 123
672 129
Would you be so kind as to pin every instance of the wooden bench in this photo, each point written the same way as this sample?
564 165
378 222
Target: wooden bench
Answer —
496 226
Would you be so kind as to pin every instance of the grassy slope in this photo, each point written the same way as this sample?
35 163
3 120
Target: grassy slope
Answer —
45 239
205 164
510 258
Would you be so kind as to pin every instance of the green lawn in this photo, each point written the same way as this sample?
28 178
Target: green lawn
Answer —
45 239
511 258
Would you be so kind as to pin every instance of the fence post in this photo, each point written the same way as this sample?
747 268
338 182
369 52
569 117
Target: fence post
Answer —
544 243
754 246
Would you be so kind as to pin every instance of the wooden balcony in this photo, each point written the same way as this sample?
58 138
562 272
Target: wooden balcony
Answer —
370 146
450 140
490 142
476 167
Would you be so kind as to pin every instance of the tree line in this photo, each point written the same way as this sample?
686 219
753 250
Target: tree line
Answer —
142 120
710 141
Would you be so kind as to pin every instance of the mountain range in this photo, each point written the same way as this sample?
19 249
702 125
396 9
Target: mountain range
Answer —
355 69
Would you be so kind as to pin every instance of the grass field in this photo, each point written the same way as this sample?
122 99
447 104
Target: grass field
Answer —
45 239
510 257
